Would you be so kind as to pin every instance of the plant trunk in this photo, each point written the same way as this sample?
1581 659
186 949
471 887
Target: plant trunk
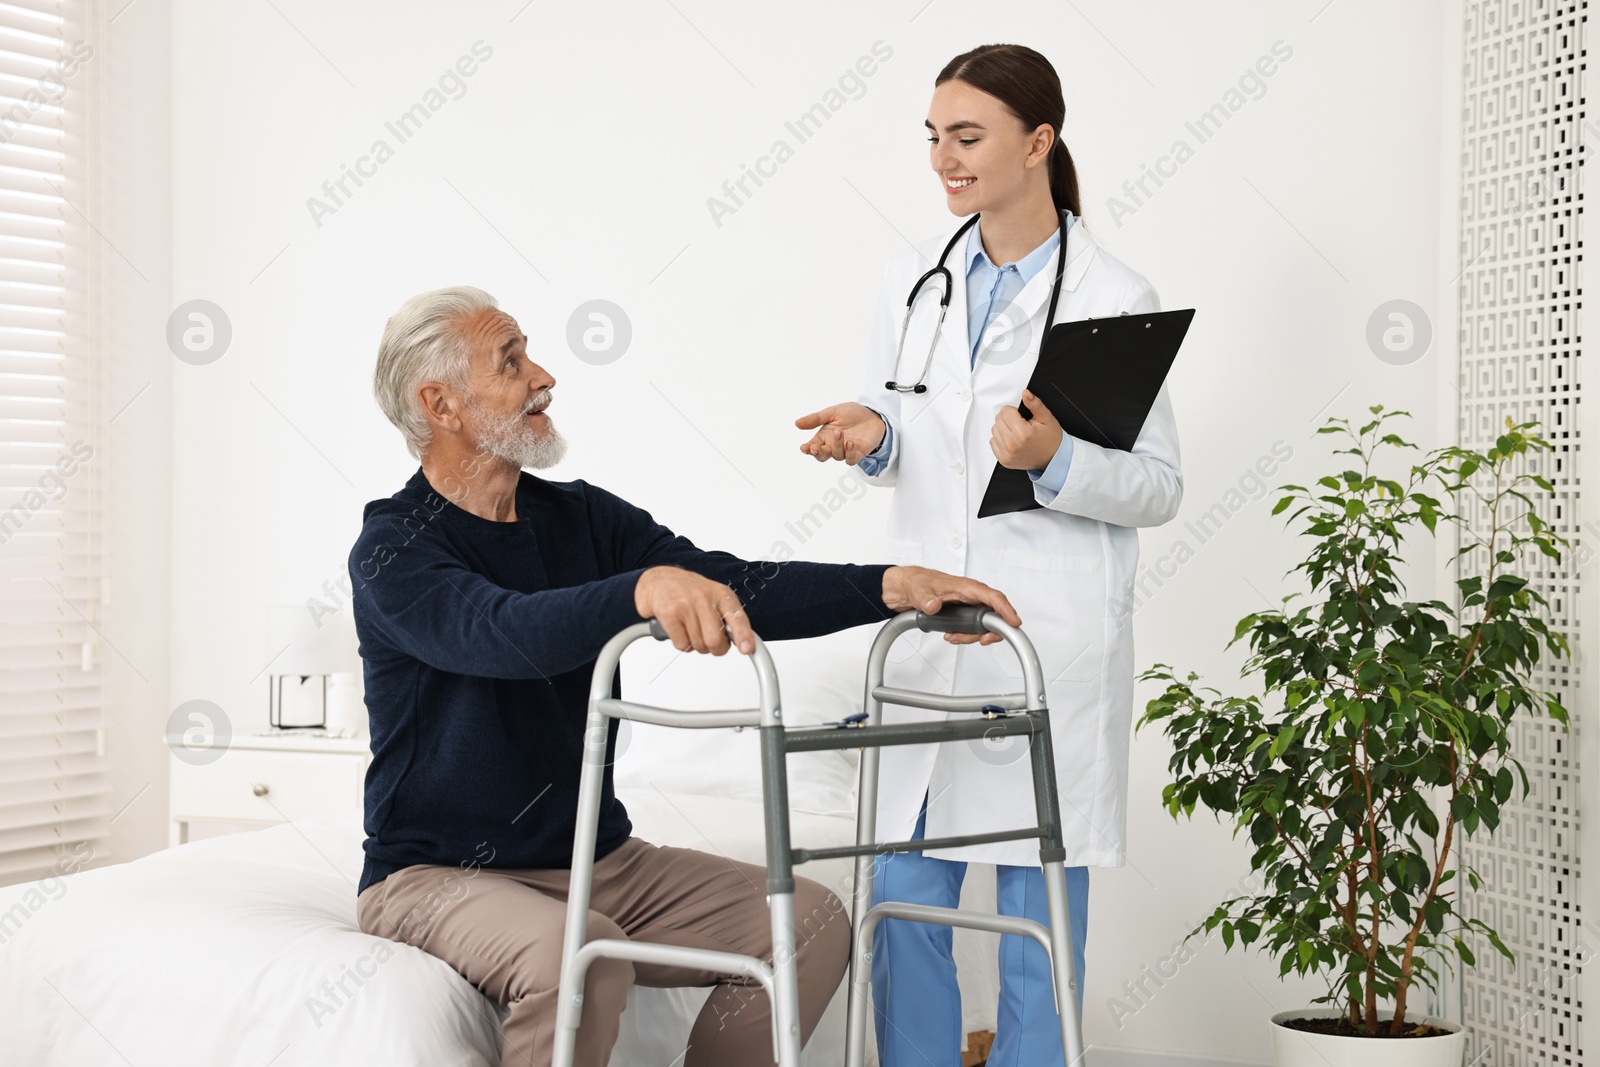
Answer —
1398 1024
1372 975
1354 1014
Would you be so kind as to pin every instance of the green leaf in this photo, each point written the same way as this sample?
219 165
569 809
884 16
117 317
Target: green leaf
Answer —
1434 912
1494 939
1505 585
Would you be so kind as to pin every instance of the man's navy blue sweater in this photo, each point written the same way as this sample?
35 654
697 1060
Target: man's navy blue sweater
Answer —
478 640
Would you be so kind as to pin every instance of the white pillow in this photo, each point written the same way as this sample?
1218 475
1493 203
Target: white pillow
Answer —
820 679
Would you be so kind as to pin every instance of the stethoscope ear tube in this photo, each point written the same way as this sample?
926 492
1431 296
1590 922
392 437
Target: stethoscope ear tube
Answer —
944 294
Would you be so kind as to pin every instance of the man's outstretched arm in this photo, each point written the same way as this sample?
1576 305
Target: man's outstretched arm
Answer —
782 601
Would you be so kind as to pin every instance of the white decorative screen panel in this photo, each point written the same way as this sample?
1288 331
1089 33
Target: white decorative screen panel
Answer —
1524 128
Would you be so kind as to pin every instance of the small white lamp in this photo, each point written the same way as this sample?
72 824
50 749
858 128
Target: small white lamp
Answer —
302 650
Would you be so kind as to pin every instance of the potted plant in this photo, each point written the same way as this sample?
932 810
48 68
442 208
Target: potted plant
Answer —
1381 737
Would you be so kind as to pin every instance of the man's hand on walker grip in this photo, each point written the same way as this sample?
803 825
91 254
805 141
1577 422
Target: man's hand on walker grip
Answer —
921 589
693 610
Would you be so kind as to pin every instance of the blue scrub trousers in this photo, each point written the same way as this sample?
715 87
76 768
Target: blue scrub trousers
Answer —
917 1004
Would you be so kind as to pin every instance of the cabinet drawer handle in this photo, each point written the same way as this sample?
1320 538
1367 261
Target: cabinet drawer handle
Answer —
259 789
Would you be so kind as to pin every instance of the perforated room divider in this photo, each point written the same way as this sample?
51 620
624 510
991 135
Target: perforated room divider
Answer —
1524 135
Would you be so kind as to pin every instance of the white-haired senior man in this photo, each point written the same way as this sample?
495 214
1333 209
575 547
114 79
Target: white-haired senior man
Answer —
482 596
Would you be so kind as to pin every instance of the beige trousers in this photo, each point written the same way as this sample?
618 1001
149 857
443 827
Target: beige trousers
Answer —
502 929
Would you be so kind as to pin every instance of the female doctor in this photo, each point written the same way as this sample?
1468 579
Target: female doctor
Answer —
934 435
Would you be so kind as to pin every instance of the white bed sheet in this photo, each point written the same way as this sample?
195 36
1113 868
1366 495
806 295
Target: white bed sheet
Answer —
215 953
218 952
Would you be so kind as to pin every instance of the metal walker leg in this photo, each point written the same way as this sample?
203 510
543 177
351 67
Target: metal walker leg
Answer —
780 978
872 735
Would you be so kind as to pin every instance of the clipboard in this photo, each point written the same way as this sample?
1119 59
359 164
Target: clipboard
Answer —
1099 378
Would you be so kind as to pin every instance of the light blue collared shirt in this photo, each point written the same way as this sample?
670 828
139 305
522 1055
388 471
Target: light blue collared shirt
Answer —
990 290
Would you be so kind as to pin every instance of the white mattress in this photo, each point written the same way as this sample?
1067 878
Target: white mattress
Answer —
218 952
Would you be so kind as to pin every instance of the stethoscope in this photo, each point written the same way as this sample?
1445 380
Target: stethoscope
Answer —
942 271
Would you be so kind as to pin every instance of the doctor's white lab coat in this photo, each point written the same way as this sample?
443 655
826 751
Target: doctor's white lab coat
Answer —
1069 569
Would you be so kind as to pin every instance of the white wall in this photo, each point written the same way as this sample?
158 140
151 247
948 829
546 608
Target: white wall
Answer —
132 63
577 166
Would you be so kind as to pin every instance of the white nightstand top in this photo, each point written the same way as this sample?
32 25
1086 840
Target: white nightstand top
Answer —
280 741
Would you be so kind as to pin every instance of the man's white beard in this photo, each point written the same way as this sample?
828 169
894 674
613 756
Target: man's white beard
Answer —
511 438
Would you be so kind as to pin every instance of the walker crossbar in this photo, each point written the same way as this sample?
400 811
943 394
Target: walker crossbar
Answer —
701 720
913 733
668 955
939 702
926 913
951 917
806 855
970 920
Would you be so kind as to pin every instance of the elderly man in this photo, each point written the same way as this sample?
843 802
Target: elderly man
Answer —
482 597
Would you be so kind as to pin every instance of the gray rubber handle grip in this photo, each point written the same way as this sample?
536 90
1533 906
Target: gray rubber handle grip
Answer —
954 619
659 632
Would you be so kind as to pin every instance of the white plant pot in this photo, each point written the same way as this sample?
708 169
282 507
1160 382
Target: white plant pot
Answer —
1298 1048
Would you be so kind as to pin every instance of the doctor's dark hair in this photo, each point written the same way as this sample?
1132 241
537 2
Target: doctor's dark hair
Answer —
1024 81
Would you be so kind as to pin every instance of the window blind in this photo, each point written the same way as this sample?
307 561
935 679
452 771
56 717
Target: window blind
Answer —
54 789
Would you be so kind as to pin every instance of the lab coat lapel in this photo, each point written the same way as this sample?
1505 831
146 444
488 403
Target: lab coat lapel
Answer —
1035 296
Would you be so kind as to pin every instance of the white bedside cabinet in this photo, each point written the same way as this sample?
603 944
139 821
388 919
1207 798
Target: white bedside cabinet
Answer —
268 779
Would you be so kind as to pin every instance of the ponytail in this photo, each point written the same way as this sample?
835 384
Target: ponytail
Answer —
1063 178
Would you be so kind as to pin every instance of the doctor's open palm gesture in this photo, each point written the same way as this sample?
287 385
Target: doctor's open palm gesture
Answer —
844 431
850 431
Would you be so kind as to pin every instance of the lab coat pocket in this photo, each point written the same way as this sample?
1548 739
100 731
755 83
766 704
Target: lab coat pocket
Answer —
1062 600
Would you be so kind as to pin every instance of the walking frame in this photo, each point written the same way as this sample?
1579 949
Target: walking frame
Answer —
1022 714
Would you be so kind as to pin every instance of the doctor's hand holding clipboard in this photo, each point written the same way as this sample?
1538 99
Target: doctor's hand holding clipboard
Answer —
954 340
